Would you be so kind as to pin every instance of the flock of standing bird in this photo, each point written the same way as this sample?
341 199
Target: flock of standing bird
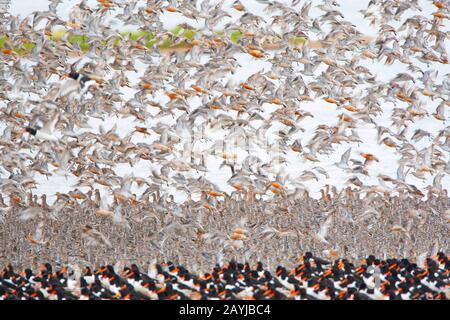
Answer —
184 109
312 279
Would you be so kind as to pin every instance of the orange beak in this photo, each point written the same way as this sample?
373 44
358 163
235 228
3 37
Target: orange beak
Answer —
393 266
161 290
64 76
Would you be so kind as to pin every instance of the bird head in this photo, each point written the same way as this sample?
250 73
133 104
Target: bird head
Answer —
30 130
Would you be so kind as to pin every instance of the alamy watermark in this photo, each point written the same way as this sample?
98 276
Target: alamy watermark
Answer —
4 5
4 9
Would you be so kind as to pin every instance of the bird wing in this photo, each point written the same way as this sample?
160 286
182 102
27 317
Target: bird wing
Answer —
437 181
323 231
49 126
346 156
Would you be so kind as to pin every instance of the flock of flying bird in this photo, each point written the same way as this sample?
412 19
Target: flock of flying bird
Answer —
53 92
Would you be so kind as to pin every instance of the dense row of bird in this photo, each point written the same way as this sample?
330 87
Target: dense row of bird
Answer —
341 225
313 278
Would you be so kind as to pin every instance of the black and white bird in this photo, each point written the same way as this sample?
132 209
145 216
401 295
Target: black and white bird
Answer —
45 133
75 81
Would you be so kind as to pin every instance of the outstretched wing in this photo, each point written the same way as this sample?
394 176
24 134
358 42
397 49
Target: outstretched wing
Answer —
346 156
